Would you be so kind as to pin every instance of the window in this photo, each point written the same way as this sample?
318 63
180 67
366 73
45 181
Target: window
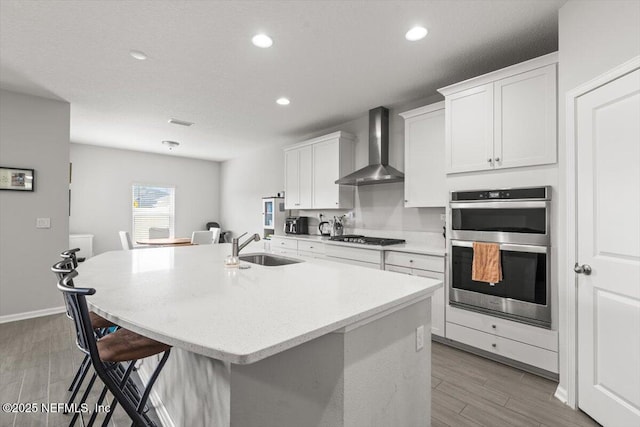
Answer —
152 206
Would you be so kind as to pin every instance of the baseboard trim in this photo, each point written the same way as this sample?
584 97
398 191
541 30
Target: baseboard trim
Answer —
161 410
31 314
561 395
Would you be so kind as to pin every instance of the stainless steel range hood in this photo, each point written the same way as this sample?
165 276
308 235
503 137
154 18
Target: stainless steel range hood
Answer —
378 171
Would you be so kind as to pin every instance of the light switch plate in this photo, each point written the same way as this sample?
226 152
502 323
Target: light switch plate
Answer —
43 222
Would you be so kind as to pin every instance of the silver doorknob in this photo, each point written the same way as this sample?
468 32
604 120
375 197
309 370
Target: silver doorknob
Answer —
582 269
489 160
497 159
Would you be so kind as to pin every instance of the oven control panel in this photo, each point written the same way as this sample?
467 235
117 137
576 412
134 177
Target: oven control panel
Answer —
534 193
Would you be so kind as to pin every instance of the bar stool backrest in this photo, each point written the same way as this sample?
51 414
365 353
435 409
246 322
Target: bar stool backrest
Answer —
61 269
77 305
71 254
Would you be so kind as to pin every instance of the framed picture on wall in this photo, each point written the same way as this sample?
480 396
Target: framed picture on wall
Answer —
16 179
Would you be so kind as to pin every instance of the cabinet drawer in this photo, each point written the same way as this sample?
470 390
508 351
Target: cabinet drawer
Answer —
284 244
354 262
532 335
315 247
525 353
423 262
357 254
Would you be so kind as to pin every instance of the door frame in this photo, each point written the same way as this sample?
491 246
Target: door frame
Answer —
568 294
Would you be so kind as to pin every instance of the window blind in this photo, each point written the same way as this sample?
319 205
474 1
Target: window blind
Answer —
152 206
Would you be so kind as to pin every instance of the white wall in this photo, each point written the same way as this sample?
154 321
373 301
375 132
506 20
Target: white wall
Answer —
34 134
245 180
101 191
594 37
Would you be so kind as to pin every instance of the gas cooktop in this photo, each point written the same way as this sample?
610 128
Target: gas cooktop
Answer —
355 238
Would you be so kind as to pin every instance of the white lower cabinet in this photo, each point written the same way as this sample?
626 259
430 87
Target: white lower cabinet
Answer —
284 246
523 343
371 258
311 249
423 266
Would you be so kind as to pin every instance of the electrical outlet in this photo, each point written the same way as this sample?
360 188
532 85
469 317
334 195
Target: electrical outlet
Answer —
43 222
419 337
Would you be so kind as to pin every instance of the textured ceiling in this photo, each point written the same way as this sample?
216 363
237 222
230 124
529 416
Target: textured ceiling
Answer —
334 59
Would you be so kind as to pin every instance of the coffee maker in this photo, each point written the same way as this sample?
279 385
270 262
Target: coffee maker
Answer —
296 225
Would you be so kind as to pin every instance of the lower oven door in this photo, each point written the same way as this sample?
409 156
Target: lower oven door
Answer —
523 294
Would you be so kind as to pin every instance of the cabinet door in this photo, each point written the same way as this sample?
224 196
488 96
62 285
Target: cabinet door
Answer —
437 302
525 119
306 177
291 179
469 129
326 169
424 154
298 179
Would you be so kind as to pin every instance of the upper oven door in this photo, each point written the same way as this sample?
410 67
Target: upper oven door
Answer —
522 222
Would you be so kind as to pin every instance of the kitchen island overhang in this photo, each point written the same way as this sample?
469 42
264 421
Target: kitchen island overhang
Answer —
314 343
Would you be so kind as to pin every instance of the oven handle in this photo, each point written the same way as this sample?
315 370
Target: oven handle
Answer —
506 247
500 205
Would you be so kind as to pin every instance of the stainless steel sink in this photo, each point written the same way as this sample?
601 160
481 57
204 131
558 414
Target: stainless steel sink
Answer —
268 260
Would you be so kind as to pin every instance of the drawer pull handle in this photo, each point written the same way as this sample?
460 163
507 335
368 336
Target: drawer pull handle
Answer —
494 345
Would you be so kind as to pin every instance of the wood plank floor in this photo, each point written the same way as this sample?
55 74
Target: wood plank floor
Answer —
38 359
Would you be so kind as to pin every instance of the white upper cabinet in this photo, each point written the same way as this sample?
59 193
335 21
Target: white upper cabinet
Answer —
525 118
424 146
311 169
503 119
297 178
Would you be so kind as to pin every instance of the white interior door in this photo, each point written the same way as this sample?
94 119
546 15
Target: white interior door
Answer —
608 235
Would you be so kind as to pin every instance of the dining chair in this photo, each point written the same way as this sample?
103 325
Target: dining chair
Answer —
202 237
216 234
125 240
113 357
158 233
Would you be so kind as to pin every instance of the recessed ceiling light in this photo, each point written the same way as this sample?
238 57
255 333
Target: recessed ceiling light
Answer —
137 54
171 144
283 101
262 40
416 33
180 122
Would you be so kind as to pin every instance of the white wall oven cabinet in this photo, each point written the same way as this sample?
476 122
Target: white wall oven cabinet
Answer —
423 266
424 155
311 169
518 221
503 119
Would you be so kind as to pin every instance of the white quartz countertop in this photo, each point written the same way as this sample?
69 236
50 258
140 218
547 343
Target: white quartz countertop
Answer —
411 247
185 297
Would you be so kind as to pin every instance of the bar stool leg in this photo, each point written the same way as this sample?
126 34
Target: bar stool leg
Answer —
75 379
85 369
152 380
84 399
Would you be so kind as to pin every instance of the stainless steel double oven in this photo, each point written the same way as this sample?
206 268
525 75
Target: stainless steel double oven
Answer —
518 221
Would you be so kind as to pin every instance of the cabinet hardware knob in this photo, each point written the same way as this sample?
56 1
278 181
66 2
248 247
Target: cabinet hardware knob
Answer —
497 159
489 160
406 201
493 326
336 203
282 243
310 247
410 260
494 345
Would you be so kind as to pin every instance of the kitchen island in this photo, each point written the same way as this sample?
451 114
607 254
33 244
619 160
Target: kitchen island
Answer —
314 343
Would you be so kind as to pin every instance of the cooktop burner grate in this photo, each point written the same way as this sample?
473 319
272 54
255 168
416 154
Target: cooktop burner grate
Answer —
364 240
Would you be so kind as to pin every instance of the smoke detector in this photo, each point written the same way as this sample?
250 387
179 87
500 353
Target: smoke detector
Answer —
171 144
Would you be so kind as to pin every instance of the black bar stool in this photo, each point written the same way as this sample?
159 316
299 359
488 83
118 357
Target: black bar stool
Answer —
109 354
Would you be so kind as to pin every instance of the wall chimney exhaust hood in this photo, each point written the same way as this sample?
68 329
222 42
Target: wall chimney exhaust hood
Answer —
378 171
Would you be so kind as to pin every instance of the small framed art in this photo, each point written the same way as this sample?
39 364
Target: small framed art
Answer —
16 179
